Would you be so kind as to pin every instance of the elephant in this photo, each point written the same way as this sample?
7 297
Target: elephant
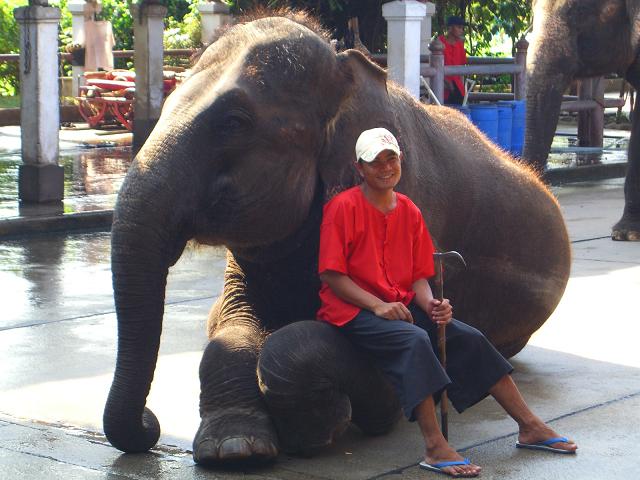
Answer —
573 39
245 153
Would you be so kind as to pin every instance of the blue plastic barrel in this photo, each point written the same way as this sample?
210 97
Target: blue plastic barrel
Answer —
505 120
463 109
517 126
485 116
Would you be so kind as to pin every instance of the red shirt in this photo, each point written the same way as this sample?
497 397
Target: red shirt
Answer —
383 254
454 55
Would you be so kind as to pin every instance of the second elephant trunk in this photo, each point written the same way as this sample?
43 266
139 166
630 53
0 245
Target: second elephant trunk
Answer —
544 97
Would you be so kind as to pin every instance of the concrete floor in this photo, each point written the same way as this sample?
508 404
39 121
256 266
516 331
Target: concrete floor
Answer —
57 352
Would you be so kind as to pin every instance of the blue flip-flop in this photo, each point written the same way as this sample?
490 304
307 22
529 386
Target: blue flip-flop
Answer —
437 467
546 445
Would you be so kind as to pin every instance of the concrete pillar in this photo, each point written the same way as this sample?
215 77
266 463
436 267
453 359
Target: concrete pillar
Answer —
437 62
213 15
80 11
148 53
40 178
426 30
520 79
404 24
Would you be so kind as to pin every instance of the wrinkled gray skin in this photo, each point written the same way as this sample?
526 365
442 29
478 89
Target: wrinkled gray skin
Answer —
244 155
580 39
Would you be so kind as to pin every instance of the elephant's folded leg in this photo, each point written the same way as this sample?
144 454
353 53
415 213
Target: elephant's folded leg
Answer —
235 425
315 382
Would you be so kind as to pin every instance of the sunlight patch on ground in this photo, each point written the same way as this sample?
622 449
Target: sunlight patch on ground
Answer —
591 322
80 401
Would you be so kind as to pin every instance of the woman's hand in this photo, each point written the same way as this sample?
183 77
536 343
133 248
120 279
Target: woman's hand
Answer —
440 313
393 311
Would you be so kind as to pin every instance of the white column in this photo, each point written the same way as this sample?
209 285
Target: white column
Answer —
80 11
148 28
213 15
426 32
404 24
40 176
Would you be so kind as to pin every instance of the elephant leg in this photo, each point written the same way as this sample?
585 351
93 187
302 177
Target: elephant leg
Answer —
628 227
235 425
315 382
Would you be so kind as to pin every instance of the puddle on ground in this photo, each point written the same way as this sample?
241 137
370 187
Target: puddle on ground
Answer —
92 178
614 150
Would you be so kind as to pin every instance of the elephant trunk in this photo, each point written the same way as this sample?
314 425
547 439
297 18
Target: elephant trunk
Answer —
544 97
146 240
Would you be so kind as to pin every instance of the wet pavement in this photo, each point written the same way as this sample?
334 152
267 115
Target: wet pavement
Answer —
57 352
94 161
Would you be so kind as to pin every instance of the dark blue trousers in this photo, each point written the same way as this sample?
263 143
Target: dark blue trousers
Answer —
407 354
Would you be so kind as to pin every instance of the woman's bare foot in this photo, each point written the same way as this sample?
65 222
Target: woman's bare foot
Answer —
537 431
441 451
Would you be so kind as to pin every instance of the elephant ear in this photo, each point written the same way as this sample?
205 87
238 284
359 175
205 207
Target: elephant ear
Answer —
365 104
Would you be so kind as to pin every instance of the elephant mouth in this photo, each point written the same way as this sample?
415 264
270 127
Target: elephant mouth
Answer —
245 216
307 234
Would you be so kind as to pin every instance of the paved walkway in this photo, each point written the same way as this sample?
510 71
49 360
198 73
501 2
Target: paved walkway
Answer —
58 334
57 346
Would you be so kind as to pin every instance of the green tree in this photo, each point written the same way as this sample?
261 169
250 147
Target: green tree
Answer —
488 18
9 43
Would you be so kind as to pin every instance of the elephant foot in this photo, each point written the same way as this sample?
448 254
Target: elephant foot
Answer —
230 439
626 230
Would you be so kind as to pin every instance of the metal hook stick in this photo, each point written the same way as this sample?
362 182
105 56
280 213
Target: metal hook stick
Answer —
442 336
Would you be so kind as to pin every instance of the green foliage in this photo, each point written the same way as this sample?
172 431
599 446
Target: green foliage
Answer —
10 101
9 43
334 15
65 30
490 18
118 12
183 31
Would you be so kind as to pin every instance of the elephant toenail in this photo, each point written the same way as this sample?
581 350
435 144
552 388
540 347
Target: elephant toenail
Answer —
235 447
264 448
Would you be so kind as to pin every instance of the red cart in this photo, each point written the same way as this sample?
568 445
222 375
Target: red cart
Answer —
108 97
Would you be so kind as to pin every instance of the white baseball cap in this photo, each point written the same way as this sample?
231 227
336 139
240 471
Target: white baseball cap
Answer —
371 142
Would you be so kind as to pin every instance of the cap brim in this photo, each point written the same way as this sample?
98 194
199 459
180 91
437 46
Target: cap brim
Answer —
370 155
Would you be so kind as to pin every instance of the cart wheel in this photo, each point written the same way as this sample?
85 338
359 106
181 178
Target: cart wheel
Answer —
92 111
124 113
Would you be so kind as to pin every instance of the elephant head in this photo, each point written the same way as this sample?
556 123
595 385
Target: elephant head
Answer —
236 159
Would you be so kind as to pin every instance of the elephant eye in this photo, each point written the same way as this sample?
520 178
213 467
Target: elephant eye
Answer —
234 123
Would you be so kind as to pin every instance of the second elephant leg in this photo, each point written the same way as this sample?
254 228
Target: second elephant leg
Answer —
628 227
235 425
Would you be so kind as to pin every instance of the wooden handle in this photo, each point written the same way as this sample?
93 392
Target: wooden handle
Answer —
444 404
